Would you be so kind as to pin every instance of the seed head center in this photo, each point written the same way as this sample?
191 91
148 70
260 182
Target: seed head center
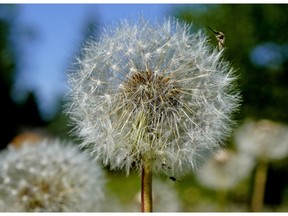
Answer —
151 90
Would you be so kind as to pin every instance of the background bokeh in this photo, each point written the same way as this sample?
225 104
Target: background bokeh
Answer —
39 43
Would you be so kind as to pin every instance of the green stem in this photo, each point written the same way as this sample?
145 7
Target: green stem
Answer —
259 186
222 200
146 188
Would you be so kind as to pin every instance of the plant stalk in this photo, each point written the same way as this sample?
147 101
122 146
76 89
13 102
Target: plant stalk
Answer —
222 200
146 188
259 186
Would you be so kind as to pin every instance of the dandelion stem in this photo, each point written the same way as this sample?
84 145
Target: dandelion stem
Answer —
259 186
146 188
222 200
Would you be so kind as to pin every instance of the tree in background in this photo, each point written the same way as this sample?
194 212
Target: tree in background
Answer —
7 69
14 115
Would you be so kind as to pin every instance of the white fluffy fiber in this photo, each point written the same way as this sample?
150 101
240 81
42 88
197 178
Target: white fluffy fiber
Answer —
153 92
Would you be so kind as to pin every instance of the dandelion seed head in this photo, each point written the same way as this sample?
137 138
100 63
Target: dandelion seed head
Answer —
165 96
224 170
54 176
263 139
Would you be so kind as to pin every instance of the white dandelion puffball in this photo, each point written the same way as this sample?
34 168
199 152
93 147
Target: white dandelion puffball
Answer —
49 176
151 93
225 170
263 139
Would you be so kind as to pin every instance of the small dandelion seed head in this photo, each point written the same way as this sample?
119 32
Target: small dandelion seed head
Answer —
54 176
164 95
224 170
264 139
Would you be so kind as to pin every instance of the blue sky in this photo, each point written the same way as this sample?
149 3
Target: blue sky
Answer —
59 31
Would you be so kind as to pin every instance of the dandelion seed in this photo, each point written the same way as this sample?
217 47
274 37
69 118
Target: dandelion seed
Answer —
166 96
224 170
263 139
172 106
54 176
